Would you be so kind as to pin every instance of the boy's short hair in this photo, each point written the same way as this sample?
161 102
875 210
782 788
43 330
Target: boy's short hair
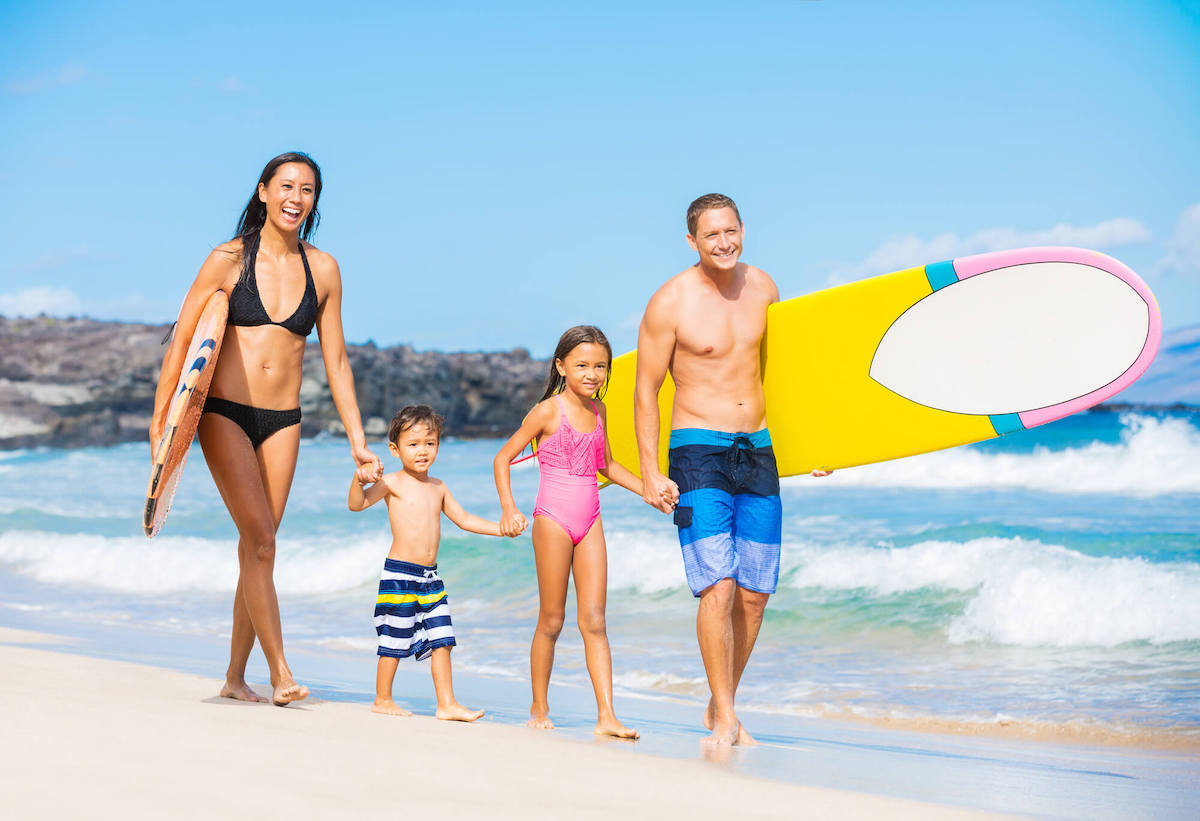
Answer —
709 202
415 415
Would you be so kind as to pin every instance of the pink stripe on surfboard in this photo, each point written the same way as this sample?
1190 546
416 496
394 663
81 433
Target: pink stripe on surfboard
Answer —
981 263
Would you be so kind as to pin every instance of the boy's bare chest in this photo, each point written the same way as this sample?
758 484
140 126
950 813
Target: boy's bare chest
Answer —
415 507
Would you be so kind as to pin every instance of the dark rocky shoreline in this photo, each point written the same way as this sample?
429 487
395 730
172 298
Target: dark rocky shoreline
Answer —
77 382
80 382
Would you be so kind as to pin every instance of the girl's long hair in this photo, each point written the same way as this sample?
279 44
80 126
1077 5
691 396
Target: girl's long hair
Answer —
254 216
578 335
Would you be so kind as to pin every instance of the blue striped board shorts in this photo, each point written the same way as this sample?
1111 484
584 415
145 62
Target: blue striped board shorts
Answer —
729 515
412 613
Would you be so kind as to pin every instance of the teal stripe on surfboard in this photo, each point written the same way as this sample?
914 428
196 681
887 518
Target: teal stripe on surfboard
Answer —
1006 422
941 274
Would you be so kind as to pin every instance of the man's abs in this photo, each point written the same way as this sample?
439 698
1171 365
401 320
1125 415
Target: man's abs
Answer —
735 405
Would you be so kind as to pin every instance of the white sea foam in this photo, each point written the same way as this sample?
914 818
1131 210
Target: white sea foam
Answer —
646 561
1154 456
1022 592
168 564
663 682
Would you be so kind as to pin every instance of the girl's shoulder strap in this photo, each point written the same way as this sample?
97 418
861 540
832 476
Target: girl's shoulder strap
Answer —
562 411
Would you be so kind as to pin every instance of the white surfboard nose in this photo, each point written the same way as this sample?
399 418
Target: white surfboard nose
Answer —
1014 339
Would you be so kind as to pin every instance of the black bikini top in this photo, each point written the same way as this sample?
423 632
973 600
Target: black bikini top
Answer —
246 308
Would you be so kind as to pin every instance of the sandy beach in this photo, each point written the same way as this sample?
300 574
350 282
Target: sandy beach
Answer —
107 739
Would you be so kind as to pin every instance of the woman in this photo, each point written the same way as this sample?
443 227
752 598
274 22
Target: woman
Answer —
250 429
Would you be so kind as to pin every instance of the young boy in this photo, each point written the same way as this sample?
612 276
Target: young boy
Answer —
412 616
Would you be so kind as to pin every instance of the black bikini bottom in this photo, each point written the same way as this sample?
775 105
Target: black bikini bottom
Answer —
258 423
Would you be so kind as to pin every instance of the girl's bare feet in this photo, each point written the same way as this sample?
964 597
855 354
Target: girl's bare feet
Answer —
613 727
389 708
457 712
539 720
288 691
240 691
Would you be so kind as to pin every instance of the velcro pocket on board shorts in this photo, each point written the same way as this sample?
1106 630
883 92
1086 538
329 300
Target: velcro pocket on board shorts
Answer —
683 516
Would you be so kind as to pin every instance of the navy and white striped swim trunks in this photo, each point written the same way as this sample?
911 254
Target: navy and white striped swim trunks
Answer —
729 515
412 613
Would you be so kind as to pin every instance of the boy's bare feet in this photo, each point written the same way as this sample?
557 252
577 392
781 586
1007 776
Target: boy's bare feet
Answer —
457 712
388 707
744 739
613 727
539 720
239 691
288 691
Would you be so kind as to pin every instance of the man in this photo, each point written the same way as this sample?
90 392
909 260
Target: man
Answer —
706 326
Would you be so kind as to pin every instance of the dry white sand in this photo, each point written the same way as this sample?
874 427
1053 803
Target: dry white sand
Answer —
90 738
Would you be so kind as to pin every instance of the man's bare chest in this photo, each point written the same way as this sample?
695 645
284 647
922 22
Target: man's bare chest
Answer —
707 329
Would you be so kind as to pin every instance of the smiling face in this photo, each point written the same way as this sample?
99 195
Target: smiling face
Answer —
718 239
289 196
416 447
584 368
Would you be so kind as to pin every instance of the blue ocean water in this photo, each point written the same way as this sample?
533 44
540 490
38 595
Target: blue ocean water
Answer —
1048 580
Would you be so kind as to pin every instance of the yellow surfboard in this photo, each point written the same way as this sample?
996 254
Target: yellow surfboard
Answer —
935 356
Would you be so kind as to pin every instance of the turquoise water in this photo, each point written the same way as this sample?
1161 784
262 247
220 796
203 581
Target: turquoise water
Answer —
1050 578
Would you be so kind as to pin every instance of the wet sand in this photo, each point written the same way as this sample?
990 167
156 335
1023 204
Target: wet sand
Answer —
111 739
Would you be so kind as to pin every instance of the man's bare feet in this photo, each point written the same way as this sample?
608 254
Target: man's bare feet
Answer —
240 691
457 712
389 708
288 691
539 720
613 727
744 739
722 736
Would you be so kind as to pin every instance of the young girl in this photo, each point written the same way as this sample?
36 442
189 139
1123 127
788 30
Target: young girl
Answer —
568 424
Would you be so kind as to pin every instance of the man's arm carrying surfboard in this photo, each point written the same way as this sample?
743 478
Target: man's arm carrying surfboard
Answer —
656 342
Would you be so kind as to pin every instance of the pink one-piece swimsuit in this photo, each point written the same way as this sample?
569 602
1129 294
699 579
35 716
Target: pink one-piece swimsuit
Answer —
568 492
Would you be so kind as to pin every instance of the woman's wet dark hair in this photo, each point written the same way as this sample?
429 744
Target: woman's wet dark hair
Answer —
254 216
578 335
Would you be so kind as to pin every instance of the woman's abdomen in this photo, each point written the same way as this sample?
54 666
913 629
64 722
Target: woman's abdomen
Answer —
260 366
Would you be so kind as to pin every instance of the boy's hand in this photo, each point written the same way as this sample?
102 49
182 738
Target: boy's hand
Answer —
364 458
368 474
819 473
513 523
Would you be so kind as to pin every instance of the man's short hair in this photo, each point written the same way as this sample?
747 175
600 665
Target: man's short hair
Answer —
415 415
709 202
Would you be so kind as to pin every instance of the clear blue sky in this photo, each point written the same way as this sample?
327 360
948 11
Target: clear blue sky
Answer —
497 172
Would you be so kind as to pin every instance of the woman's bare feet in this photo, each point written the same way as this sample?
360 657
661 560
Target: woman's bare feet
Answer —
240 691
388 707
612 726
288 691
457 712
539 720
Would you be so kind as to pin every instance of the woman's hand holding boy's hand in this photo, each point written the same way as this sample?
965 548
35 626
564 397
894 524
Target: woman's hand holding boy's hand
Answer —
365 459
369 473
513 523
